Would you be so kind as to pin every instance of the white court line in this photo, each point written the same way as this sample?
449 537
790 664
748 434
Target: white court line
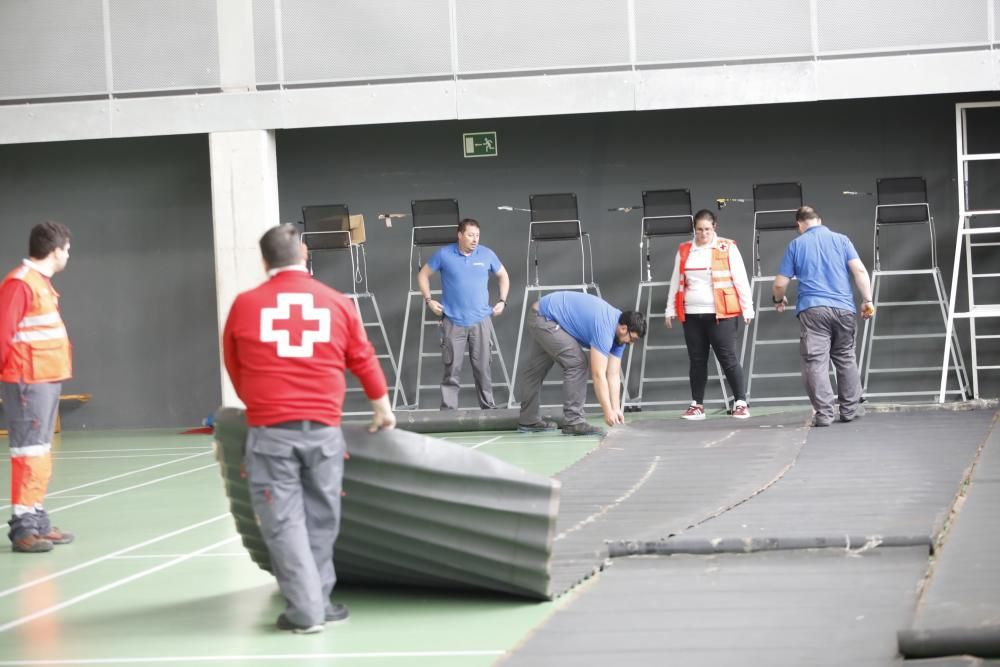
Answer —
248 658
113 554
130 488
118 476
486 442
227 554
130 449
113 585
124 456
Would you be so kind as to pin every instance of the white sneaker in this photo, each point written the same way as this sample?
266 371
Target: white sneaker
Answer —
694 412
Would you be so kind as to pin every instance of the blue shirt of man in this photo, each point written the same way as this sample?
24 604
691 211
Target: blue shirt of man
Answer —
818 258
465 291
590 320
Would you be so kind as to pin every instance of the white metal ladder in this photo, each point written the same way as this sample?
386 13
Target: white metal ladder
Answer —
774 206
903 201
430 236
970 237
327 228
554 217
666 213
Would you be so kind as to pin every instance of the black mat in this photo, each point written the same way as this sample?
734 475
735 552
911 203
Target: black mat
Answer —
821 607
869 489
959 612
651 479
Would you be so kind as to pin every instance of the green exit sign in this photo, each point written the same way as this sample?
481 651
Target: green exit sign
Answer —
479 144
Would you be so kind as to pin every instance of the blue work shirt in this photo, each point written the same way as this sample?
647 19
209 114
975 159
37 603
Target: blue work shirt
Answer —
591 321
818 258
465 292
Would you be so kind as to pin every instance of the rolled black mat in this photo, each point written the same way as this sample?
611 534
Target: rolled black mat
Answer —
451 421
420 511
738 545
982 641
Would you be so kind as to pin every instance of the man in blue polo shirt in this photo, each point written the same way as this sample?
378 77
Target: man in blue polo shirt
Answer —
465 310
561 325
824 263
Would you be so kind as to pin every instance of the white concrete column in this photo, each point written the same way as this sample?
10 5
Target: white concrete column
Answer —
244 205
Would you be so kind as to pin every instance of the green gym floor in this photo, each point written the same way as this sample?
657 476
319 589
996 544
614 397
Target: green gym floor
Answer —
157 574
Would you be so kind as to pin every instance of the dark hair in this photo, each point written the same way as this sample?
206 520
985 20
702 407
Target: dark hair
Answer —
704 214
46 237
806 214
634 321
280 246
467 222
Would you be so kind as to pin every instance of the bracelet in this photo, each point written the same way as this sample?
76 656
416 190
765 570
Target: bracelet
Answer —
773 300
503 301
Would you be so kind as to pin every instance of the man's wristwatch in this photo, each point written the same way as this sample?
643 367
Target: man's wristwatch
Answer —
427 299
503 301
773 300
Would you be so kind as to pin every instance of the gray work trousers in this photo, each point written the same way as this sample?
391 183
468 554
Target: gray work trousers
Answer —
295 479
31 411
453 342
828 334
548 343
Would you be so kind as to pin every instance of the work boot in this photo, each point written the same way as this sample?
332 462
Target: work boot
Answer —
31 544
583 428
284 624
56 536
337 613
538 427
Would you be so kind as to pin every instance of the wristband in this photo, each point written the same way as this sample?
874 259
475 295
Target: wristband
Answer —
503 301
773 300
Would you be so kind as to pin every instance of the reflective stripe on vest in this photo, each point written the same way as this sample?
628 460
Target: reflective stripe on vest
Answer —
41 349
727 301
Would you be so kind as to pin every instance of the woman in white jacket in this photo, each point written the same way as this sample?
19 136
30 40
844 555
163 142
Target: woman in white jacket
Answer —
709 292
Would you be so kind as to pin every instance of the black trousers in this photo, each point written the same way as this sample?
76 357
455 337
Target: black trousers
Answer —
702 332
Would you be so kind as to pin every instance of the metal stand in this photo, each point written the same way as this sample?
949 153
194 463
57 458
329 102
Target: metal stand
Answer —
435 222
903 201
327 228
774 207
971 188
666 214
554 217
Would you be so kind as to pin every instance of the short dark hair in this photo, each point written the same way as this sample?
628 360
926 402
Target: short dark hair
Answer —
806 214
634 321
46 237
467 222
280 246
704 214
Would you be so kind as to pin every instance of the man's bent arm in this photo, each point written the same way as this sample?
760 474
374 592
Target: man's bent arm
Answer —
861 279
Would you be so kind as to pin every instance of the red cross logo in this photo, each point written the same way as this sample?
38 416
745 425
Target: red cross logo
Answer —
309 325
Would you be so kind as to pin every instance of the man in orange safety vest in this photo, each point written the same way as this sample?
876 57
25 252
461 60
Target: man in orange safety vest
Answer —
35 358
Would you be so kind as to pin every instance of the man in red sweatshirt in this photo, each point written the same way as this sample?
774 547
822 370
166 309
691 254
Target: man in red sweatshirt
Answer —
286 344
35 358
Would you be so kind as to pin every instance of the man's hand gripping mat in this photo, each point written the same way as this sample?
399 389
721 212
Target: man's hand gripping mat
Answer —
420 511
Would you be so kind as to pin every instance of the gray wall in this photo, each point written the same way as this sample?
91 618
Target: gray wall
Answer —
139 291
138 295
608 159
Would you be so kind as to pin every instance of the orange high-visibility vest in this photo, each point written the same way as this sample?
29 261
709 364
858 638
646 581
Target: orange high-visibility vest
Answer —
41 349
727 301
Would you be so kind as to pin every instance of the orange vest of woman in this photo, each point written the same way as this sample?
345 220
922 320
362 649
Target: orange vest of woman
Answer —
41 347
727 301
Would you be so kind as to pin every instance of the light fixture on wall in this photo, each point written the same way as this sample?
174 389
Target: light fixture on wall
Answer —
855 193
513 208
625 209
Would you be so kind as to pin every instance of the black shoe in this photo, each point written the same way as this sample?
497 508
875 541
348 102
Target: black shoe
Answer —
537 427
583 428
337 613
284 624
31 544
